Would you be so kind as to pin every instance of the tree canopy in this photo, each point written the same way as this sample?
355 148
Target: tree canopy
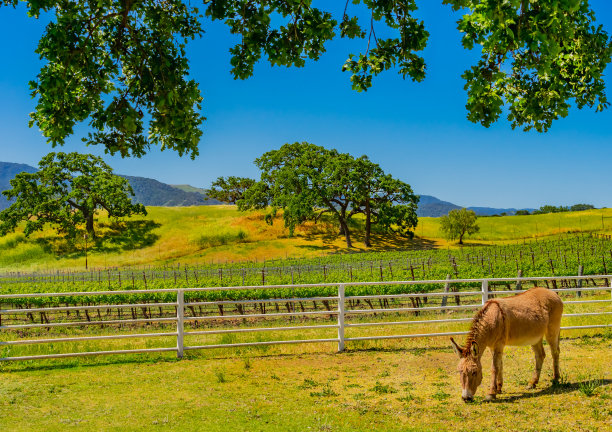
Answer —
560 209
229 189
307 181
458 223
66 192
122 67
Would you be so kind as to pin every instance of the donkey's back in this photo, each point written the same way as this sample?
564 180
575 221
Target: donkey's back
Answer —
531 316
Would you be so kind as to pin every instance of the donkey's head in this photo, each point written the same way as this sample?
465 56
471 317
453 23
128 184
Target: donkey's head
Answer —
470 369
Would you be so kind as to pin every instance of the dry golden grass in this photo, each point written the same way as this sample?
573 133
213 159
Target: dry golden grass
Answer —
222 234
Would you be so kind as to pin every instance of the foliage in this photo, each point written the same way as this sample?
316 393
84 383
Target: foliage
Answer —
581 207
560 209
300 178
551 209
66 191
537 59
307 181
522 212
386 202
230 189
458 223
122 65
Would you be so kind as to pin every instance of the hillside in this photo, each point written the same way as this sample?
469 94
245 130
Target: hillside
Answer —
151 192
222 233
8 171
430 206
189 188
147 191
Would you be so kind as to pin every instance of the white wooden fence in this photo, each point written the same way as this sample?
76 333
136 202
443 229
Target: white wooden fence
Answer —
341 312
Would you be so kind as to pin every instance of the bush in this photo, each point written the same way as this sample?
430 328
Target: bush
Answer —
221 238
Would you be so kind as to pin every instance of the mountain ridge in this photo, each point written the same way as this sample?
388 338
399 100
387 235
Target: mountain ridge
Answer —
151 192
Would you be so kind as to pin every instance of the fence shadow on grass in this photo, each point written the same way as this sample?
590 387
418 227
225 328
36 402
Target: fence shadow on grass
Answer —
63 364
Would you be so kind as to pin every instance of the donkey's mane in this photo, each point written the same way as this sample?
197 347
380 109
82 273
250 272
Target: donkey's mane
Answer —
477 325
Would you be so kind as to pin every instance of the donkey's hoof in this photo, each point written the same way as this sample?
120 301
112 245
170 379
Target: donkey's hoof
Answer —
531 386
490 397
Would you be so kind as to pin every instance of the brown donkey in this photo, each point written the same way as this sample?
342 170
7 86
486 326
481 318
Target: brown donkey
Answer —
523 319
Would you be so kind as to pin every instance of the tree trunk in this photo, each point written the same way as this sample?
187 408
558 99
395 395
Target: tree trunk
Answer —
347 234
368 225
90 225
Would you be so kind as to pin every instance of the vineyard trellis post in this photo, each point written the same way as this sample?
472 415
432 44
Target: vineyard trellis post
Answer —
180 318
446 290
580 271
340 318
485 291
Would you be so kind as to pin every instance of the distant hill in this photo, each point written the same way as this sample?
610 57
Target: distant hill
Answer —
147 191
189 188
8 171
154 193
430 206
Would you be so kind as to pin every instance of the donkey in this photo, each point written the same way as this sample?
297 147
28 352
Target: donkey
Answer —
522 319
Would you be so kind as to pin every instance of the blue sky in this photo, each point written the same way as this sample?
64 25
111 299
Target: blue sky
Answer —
416 131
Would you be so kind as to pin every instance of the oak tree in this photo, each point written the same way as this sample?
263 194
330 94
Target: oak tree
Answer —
229 189
459 223
386 202
121 65
307 181
66 192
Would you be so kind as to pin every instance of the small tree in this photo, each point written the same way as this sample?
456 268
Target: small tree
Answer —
66 192
229 189
458 223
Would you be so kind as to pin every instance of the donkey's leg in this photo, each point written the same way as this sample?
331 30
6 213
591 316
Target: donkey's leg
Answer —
500 373
538 350
496 373
552 337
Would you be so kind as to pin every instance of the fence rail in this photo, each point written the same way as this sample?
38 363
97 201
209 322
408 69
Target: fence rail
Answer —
340 313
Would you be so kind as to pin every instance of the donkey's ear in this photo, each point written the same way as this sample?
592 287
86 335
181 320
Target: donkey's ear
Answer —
474 349
458 350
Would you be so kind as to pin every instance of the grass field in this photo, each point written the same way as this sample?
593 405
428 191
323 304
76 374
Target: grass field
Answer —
222 234
387 386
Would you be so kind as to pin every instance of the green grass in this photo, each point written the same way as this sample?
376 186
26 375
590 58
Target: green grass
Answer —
296 389
506 228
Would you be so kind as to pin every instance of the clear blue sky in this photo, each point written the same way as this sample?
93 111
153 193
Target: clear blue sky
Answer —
417 132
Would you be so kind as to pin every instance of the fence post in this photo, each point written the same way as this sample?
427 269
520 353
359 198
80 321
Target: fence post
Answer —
340 318
446 290
485 291
180 318
579 284
519 283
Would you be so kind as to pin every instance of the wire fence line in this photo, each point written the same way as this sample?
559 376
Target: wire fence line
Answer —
339 314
